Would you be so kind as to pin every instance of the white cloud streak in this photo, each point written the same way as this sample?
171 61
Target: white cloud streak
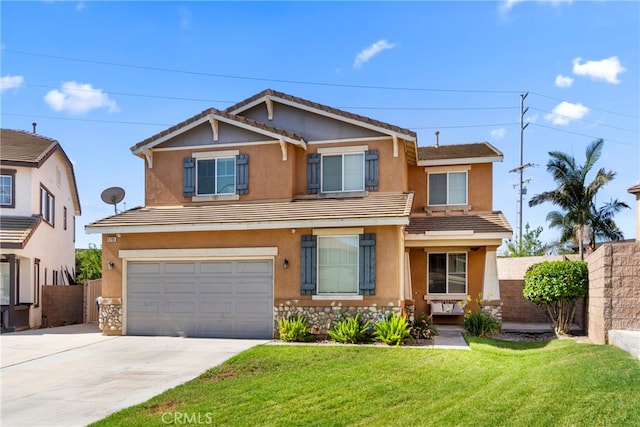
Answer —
605 69
507 5
79 98
498 133
11 82
563 81
566 112
367 53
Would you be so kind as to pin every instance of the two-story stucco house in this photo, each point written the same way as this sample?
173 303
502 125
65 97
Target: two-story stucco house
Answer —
38 205
280 205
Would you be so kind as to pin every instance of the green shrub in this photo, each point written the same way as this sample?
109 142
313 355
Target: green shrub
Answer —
350 330
392 330
423 328
294 328
556 286
480 324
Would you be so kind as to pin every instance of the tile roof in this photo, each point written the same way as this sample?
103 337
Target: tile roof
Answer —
386 208
212 111
270 93
25 147
20 148
635 189
458 151
15 231
491 222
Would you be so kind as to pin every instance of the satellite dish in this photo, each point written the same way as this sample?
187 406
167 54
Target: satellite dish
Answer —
113 196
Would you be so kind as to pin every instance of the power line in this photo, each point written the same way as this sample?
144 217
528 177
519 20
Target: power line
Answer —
231 76
586 121
582 134
588 106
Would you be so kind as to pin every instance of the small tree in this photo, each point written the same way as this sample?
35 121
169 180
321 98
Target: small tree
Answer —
556 286
530 245
88 264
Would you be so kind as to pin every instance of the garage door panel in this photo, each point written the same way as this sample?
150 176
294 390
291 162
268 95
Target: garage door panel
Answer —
179 268
261 267
176 286
210 287
253 287
145 267
227 299
216 267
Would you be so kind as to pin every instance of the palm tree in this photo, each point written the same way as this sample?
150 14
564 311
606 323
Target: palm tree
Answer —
579 218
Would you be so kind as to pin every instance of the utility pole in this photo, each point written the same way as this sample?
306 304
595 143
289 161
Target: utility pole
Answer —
522 166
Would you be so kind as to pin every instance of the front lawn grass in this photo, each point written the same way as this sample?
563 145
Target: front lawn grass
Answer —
498 383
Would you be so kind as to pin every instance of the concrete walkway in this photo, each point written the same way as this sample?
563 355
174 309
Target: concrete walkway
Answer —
72 376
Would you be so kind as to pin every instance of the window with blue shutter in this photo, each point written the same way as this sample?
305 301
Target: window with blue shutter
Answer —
242 174
371 170
308 264
313 173
188 177
367 285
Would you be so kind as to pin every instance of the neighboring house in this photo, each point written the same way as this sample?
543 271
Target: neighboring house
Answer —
280 206
38 204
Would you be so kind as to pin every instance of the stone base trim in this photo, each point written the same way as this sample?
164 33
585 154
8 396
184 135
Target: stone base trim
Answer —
320 319
110 316
493 309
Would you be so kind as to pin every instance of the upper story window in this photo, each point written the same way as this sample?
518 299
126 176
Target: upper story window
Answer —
447 273
47 205
7 189
212 174
448 188
216 176
342 170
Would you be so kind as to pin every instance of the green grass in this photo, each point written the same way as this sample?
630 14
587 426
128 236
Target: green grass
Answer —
498 383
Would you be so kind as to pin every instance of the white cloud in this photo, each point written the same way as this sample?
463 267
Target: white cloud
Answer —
563 81
566 112
79 98
605 69
11 82
367 53
498 133
185 17
507 5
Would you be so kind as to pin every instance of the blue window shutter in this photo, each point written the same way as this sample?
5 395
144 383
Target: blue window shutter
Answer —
371 170
313 173
308 266
188 177
367 285
242 174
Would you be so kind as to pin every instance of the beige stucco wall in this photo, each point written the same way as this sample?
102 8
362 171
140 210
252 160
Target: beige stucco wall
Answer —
479 181
614 289
286 281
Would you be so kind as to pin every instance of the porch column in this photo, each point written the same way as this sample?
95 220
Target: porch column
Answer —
11 327
490 284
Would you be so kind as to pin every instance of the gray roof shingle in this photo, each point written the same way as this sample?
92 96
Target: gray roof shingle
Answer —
491 222
458 151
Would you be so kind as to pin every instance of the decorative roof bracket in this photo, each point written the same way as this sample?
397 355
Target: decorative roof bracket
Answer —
269 104
214 128
148 154
283 148
395 146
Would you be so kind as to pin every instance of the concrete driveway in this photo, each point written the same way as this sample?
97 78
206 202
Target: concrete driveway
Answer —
73 375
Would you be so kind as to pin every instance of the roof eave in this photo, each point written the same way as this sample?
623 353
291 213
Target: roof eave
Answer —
460 161
250 225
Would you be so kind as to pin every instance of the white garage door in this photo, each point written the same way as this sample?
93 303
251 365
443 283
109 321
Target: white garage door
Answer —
223 299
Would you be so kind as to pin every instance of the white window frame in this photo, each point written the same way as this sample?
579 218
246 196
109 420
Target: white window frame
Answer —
320 293
447 275
447 190
47 205
342 151
216 156
11 189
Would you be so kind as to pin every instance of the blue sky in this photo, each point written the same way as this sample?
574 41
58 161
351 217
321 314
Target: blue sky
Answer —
101 76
